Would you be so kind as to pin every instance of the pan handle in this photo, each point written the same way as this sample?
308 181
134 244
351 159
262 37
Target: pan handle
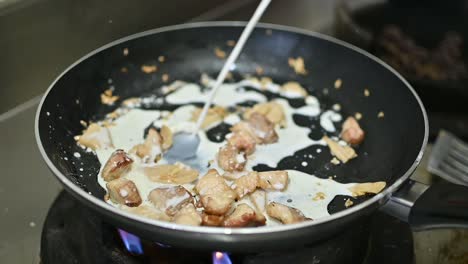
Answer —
440 205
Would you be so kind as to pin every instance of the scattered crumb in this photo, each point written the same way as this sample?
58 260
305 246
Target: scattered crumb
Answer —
304 164
76 138
335 161
368 187
358 116
366 92
231 43
107 98
161 59
149 68
298 65
325 91
338 83
32 224
259 70
131 102
269 32
125 52
381 114
165 77
294 89
83 123
319 196
336 107
219 53
123 70
343 153
348 203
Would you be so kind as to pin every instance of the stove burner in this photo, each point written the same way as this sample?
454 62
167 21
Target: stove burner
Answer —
74 234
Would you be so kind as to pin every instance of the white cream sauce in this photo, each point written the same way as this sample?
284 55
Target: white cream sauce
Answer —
127 131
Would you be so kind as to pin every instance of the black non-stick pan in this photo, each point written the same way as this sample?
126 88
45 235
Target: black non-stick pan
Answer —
391 151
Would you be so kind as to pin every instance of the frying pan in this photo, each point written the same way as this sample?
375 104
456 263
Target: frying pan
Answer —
391 151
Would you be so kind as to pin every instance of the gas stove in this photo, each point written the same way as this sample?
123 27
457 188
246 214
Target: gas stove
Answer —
73 233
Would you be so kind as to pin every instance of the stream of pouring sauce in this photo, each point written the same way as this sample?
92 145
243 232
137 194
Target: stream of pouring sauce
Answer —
127 131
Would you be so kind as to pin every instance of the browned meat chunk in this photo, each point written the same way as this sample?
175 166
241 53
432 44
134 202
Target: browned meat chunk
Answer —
118 164
95 137
273 180
343 153
243 141
123 191
150 150
273 111
263 129
212 220
231 159
258 127
170 199
246 184
188 215
351 132
215 195
258 199
243 216
285 214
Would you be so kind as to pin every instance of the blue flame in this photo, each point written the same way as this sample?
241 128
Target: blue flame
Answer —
221 258
132 243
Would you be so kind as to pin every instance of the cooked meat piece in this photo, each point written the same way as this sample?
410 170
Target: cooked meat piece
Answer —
273 180
147 211
150 150
368 187
188 215
246 184
259 200
166 137
107 98
351 132
246 130
215 115
263 129
149 68
123 191
118 164
95 137
298 65
231 159
285 214
293 90
343 153
212 220
170 199
242 216
243 141
258 127
177 173
215 195
273 111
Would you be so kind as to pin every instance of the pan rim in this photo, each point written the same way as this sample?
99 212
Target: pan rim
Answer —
220 230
